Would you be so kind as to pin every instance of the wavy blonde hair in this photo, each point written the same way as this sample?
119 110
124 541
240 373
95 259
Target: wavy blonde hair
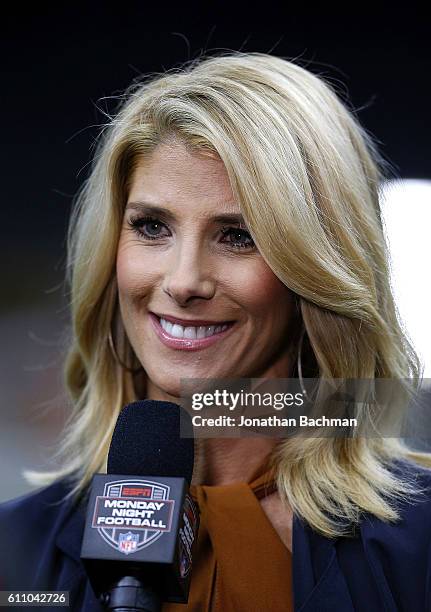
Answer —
307 178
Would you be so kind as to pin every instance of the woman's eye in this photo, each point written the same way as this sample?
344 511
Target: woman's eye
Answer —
238 234
149 228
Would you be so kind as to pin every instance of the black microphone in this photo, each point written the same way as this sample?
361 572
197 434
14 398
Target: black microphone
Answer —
141 524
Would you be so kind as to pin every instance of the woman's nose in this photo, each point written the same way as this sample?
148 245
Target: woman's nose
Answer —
189 275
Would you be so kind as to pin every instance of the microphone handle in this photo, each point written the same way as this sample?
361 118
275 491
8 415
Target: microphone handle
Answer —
130 595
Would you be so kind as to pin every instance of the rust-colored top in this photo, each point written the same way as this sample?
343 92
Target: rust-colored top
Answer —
240 563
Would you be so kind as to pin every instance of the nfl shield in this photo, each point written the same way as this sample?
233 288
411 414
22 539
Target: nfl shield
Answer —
127 542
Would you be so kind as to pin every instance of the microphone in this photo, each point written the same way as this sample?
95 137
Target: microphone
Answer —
141 524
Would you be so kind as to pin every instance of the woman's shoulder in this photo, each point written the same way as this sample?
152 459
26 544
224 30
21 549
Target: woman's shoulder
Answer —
48 499
412 508
406 542
29 527
34 515
420 477
385 565
402 466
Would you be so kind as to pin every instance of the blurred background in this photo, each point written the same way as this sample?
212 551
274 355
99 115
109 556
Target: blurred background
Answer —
62 70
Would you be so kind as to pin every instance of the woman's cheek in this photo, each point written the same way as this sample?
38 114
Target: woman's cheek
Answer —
260 288
135 275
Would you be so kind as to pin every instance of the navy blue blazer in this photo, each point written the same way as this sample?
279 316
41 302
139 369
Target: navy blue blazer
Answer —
384 567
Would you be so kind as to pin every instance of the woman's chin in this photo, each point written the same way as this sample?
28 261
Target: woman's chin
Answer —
190 382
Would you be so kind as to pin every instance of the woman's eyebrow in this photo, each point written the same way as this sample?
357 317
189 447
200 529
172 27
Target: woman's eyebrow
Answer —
152 209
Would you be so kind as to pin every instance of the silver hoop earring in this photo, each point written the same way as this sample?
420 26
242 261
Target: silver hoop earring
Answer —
299 367
116 357
299 364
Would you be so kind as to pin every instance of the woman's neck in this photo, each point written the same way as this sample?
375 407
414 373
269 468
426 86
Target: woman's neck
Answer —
222 461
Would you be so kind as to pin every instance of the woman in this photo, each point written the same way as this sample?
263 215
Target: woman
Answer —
239 189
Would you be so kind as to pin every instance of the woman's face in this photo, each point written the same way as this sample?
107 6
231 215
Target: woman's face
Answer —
186 263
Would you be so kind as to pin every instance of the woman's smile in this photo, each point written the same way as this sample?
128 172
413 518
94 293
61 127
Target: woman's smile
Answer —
191 337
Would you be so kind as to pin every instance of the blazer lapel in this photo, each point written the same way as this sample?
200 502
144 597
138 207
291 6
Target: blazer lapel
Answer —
318 582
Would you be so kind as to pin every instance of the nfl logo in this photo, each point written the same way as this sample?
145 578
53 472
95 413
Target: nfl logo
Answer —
127 542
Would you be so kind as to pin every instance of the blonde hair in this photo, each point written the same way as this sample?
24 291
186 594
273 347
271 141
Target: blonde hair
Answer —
307 177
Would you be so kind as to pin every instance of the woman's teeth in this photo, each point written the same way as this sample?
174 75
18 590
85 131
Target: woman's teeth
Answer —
192 332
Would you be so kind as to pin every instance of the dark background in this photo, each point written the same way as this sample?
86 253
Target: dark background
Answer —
63 65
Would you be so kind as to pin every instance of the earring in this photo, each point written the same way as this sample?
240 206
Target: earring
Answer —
116 357
299 364
299 368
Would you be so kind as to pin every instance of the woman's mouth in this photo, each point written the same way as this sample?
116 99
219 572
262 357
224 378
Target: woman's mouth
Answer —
191 337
